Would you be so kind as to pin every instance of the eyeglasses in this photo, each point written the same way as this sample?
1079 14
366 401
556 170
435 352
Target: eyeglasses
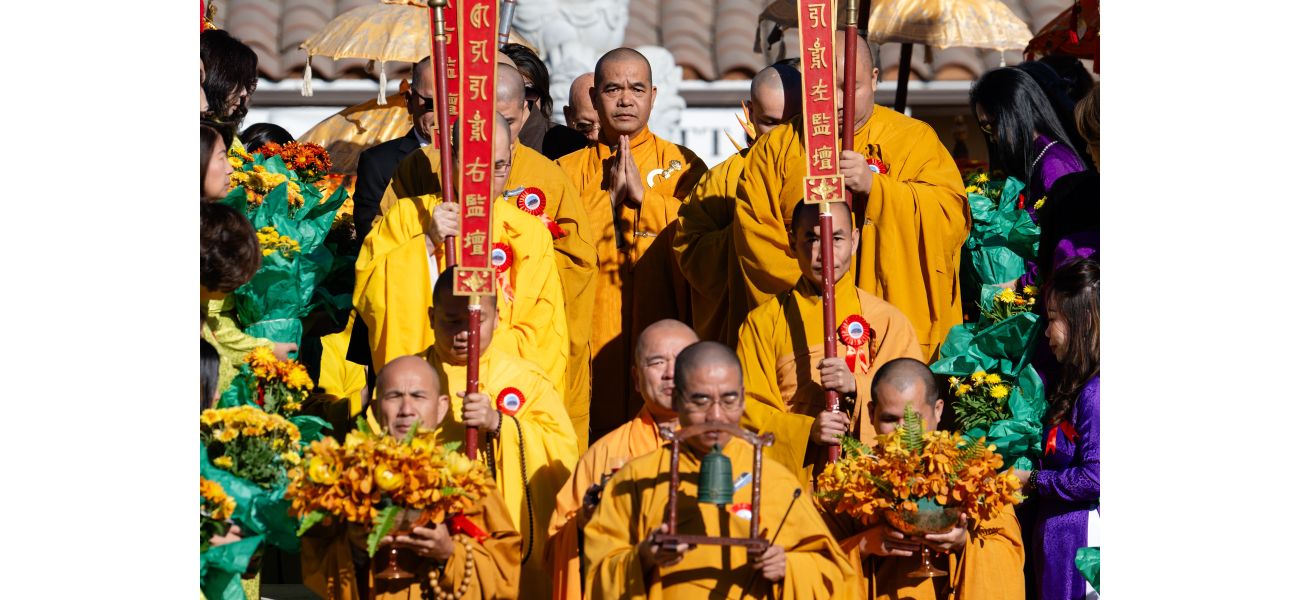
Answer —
501 167
986 127
531 94
698 405
426 103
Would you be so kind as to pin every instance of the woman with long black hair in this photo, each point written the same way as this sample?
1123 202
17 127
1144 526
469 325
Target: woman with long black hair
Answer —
230 75
1067 484
1025 137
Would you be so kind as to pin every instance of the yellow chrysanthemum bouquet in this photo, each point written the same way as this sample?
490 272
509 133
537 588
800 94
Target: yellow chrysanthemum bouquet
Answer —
383 483
251 444
980 399
277 386
919 481
1003 234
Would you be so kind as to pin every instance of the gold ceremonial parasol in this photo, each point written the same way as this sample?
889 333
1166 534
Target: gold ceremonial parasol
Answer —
347 133
943 24
390 30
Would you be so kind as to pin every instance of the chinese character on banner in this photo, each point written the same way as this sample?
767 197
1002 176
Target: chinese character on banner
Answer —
816 35
453 58
477 29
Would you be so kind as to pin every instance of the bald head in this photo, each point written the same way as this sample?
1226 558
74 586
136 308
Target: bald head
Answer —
775 95
408 392
619 56
451 316
510 98
903 383
709 390
624 93
580 114
656 356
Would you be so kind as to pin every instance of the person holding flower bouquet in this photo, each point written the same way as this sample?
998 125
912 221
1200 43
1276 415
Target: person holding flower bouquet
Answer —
1067 485
985 559
471 555
781 348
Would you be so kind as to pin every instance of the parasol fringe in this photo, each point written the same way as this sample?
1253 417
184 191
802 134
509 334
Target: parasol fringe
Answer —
306 78
383 85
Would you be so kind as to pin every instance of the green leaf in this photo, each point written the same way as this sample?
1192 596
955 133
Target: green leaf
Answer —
452 446
312 518
913 430
384 523
364 426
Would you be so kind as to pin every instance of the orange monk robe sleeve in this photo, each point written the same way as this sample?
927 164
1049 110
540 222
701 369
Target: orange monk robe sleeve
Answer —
895 338
609 453
765 409
393 290
917 220
760 238
496 558
610 557
706 253
416 175
575 255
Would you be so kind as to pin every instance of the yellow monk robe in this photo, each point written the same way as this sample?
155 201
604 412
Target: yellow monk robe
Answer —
329 570
549 448
917 219
780 345
394 290
340 378
617 254
707 254
990 566
575 253
231 343
634 505
609 454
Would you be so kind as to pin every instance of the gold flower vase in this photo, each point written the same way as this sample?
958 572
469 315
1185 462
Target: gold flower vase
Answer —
929 517
407 521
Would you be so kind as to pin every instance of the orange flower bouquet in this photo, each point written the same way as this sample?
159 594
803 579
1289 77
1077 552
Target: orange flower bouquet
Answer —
910 470
379 481
309 161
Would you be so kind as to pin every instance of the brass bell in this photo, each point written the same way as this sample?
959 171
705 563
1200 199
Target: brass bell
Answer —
716 486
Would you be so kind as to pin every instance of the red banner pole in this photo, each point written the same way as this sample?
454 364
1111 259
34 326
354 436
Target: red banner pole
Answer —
439 30
850 77
474 276
824 184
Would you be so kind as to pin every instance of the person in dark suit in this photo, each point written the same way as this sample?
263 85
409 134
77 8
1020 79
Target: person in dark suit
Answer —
375 166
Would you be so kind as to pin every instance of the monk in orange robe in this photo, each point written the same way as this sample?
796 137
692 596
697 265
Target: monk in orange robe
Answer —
984 560
536 185
631 183
656 350
783 351
703 243
622 558
907 191
407 392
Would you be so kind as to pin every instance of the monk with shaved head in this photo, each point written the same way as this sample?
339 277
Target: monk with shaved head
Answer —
407 395
538 186
520 417
652 372
580 114
621 554
983 559
704 246
631 183
404 255
905 188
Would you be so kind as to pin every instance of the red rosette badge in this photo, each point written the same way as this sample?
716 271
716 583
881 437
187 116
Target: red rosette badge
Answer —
502 258
855 333
743 510
510 400
532 201
877 165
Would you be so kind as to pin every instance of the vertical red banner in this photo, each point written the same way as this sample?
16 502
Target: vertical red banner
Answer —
476 33
817 57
